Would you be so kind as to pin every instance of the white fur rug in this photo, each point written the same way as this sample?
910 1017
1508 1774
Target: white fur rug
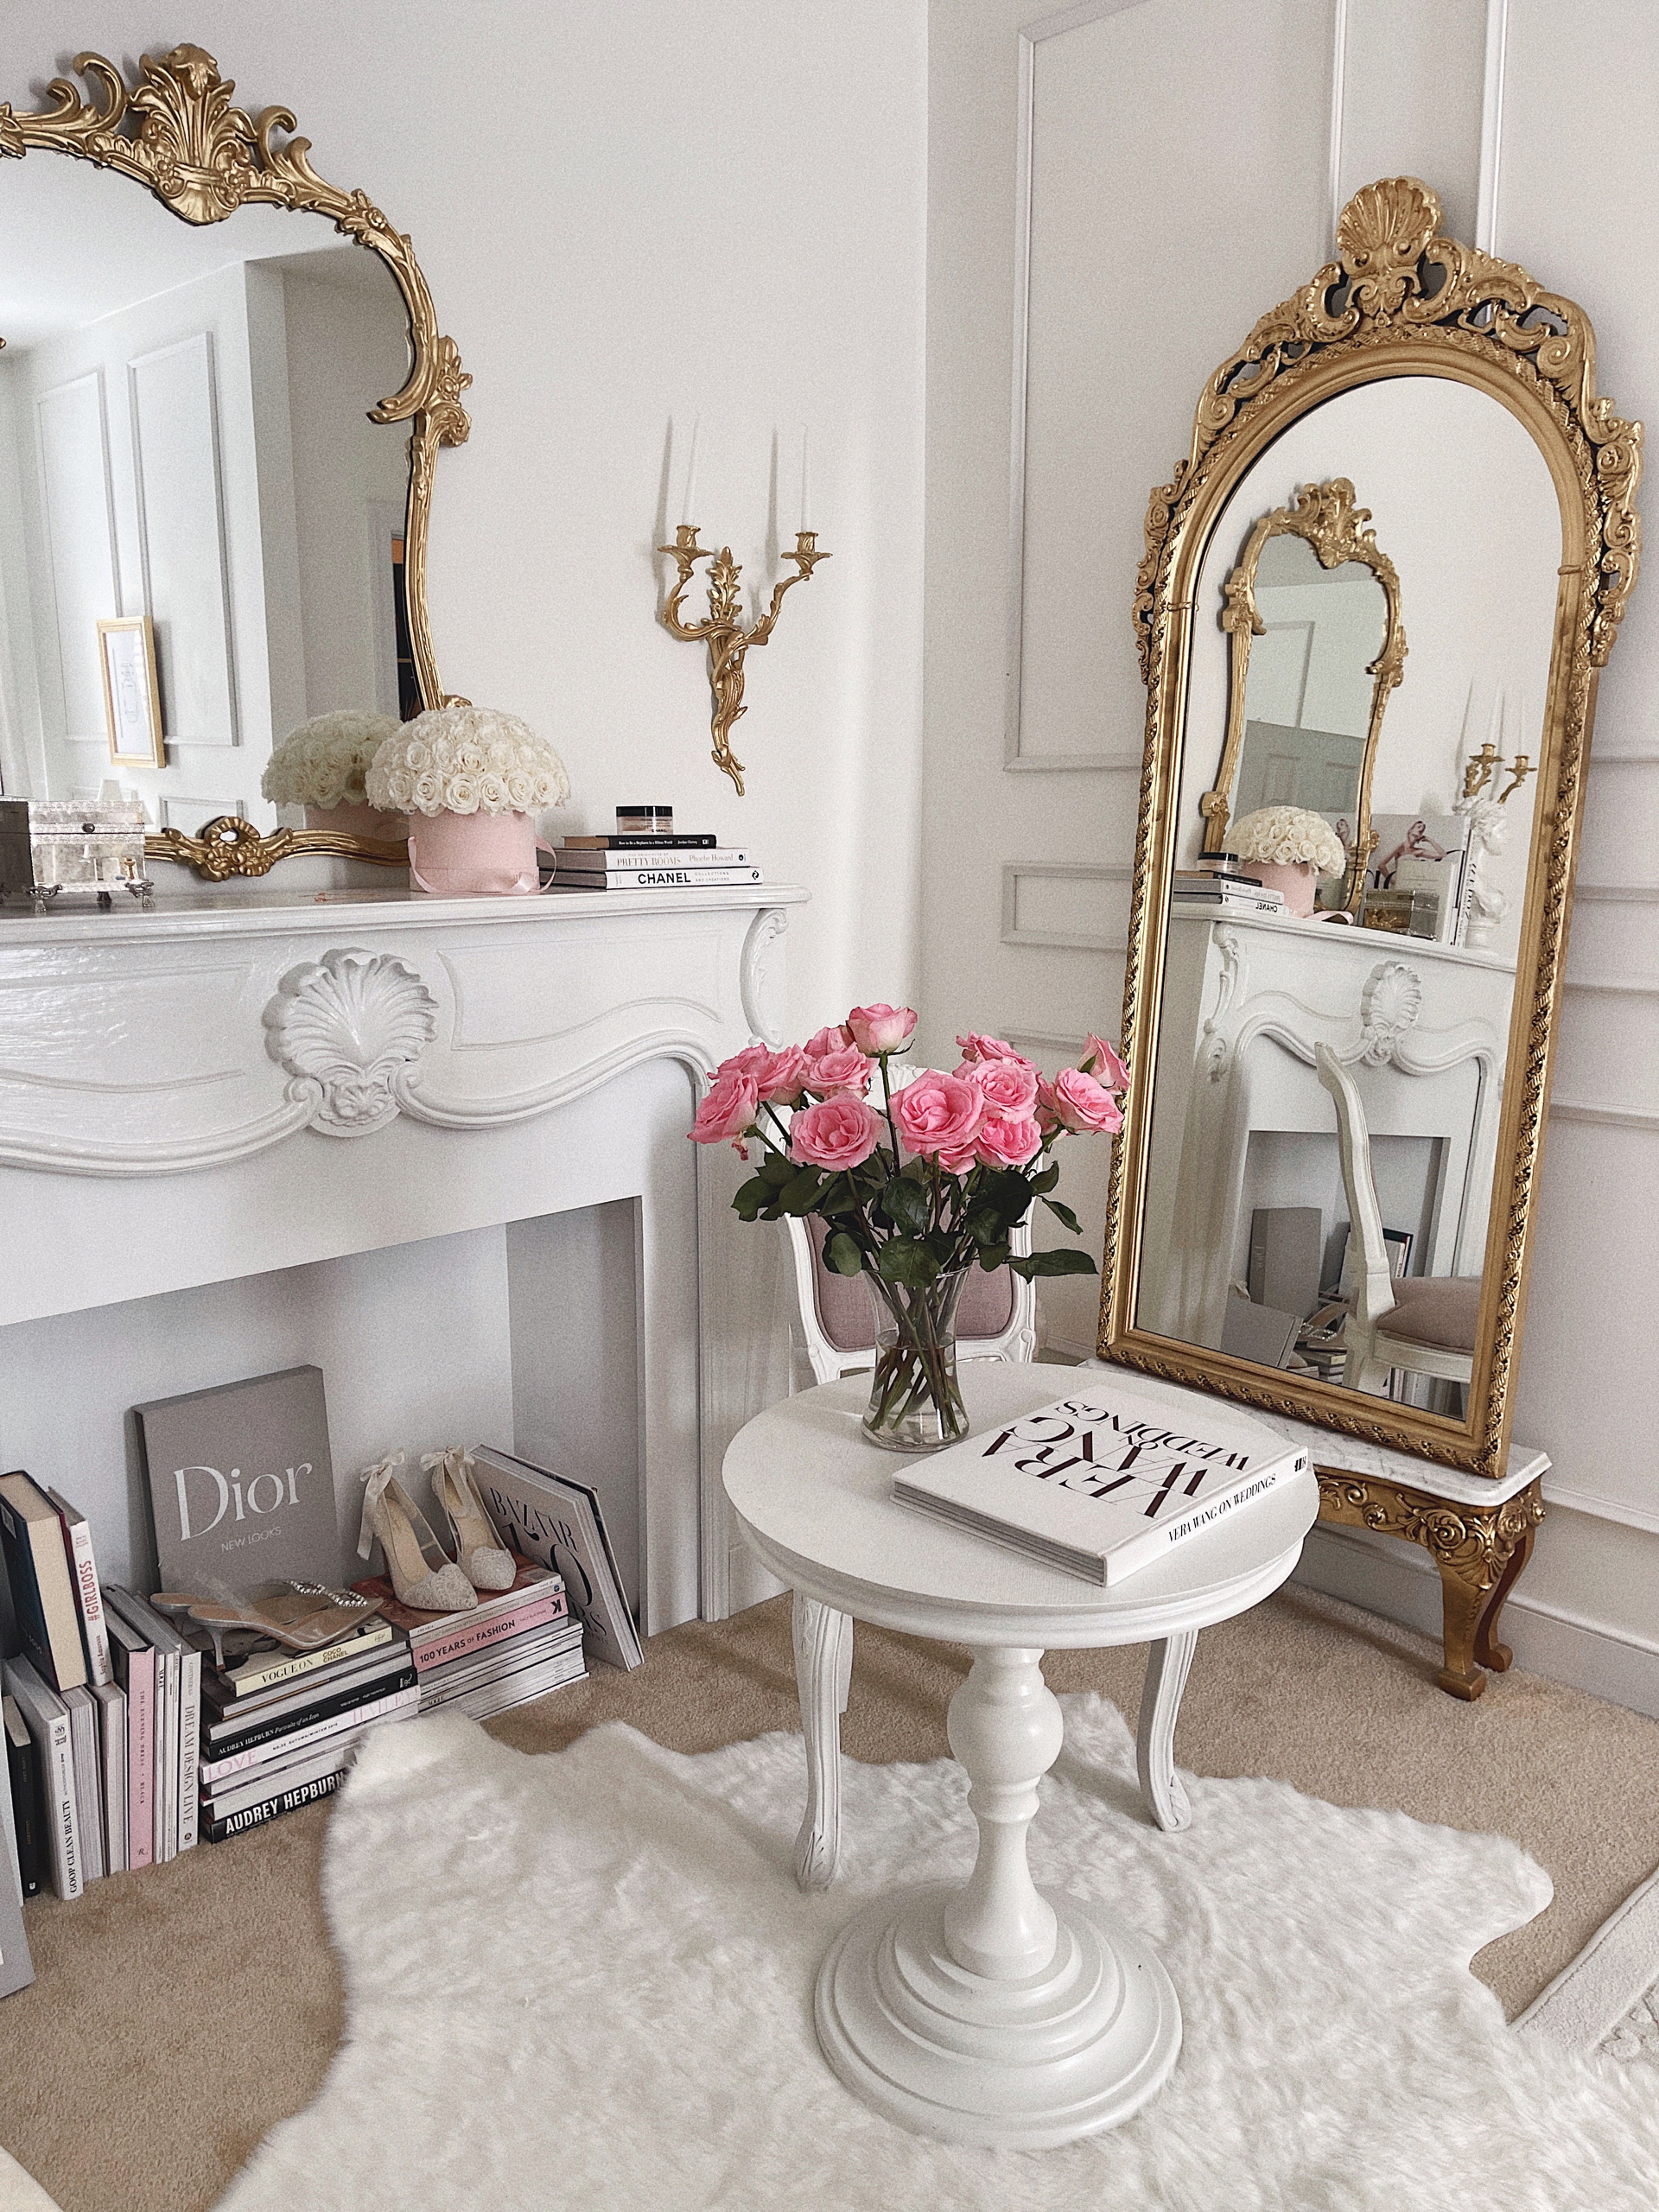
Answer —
586 1980
1607 2001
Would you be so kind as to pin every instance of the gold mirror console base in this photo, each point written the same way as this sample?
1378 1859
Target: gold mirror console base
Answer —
228 846
1480 1551
1400 300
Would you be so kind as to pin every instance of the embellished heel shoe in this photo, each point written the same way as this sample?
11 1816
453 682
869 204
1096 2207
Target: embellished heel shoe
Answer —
421 1574
485 1561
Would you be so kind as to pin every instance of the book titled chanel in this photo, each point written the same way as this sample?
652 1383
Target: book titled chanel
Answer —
1098 1483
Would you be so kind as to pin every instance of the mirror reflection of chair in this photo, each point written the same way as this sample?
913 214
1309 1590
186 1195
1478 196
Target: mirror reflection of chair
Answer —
1424 1324
996 1319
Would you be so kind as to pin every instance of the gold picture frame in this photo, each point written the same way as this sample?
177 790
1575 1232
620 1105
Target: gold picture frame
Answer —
1325 517
1400 300
174 130
132 699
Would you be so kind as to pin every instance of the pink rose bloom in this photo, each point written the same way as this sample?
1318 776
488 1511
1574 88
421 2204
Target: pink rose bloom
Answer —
840 1132
752 1058
938 1114
781 1078
832 1074
1079 1103
961 1161
1006 1142
827 1041
1109 1068
977 1046
1009 1087
727 1110
880 1028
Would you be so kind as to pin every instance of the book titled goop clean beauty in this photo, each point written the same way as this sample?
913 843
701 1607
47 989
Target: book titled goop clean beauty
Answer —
1097 1483
241 1484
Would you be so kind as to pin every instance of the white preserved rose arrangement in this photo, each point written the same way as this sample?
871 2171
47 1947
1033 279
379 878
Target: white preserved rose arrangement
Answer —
465 761
1283 836
325 761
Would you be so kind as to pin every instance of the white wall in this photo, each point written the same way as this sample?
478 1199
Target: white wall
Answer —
1197 168
630 214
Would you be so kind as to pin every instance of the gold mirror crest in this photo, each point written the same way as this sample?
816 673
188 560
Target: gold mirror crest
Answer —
1400 300
175 131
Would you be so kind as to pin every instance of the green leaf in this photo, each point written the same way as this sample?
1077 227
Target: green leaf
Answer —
800 1195
837 1196
1053 1263
986 1226
905 1205
1064 1213
992 1256
842 1255
776 1169
1047 1180
902 1260
750 1198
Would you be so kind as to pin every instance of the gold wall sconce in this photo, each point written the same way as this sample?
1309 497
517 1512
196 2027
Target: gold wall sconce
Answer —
1487 766
722 632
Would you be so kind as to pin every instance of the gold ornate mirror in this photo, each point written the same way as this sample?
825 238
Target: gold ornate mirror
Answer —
1305 708
218 422
1321 1201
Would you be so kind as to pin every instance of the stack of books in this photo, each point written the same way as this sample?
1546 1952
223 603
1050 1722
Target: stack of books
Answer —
280 1728
649 863
1219 893
513 1645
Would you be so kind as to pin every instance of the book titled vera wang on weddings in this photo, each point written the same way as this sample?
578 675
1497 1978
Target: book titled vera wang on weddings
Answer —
1098 1483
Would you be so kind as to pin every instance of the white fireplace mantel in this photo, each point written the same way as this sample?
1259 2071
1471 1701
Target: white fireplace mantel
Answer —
238 1082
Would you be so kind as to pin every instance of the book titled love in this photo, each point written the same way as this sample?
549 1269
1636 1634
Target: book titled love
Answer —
1097 1484
241 1484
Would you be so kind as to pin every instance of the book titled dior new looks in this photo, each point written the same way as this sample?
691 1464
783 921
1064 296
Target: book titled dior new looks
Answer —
241 1484
1097 1484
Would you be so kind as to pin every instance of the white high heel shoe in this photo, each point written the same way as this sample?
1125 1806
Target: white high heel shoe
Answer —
485 1561
422 1575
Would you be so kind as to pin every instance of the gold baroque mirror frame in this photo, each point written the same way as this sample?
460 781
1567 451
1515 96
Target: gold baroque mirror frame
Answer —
1400 302
1324 517
175 131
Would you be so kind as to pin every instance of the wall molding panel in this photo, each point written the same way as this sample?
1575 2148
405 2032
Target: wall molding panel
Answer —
1078 936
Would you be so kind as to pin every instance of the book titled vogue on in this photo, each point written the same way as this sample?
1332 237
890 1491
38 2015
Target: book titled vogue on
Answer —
1098 1483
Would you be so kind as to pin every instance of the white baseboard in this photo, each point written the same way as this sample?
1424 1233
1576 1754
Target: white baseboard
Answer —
1401 1582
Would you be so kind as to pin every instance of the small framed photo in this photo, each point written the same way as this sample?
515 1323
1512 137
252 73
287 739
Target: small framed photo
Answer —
132 703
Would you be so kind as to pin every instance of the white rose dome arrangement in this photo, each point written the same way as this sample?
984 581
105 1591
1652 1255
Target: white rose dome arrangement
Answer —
470 780
322 766
1288 847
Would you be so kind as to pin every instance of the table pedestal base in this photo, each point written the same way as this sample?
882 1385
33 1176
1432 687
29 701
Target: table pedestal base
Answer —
1025 2064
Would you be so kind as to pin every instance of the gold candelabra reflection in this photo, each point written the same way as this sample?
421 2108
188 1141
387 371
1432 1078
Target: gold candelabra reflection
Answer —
1487 765
722 632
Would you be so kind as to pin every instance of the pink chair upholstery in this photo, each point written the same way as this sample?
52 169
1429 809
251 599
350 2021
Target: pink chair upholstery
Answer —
843 1301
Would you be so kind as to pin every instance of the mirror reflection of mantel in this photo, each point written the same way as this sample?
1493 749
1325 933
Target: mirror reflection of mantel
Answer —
1320 1204
215 417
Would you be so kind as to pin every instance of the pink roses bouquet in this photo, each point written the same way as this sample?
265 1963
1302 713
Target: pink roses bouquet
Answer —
916 1185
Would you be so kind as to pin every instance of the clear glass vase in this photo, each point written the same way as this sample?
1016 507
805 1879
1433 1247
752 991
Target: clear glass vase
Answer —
915 1405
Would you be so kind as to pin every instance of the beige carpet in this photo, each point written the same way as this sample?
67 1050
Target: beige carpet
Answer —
178 2013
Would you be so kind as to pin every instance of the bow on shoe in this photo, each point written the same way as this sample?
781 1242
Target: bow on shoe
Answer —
375 1480
456 1462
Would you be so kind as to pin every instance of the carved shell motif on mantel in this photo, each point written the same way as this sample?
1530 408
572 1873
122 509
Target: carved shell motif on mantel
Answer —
348 1028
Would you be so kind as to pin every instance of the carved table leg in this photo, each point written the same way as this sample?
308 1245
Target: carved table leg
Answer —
1488 1650
1463 1601
823 1663
1167 1664
991 2011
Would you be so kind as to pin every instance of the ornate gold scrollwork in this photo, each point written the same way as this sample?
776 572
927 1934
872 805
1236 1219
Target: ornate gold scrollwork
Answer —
1400 300
228 846
1326 517
174 131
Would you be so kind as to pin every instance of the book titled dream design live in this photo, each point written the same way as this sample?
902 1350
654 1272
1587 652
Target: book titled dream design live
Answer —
1097 1483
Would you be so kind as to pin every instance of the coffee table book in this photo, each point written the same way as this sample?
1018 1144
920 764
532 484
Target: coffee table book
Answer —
23 1765
42 1592
1097 1483
556 1521
241 1483
48 1716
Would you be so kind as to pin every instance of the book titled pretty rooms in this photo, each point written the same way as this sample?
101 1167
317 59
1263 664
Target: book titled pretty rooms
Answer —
1097 1484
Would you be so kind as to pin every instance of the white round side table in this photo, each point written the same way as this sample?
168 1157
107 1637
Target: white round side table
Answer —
995 2012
